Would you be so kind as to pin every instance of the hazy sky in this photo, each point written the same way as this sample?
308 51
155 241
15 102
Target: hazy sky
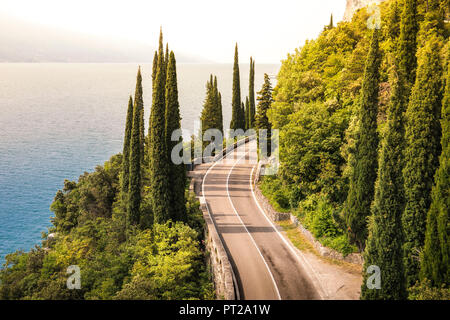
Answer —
266 29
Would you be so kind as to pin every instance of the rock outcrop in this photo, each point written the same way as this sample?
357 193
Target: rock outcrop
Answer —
354 5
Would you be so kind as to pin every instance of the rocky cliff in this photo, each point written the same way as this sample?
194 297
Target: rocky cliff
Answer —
354 5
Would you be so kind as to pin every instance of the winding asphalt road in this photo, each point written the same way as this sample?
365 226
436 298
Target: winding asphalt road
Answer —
266 265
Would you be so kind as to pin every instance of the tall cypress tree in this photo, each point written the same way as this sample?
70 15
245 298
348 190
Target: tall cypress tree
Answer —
159 163
435 258
208 116
423 134
126 151
177 173
362 182
265 100
237 115
134 189
139 101
251 94
384 244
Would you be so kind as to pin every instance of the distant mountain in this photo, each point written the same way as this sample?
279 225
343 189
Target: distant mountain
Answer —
354 5
29 42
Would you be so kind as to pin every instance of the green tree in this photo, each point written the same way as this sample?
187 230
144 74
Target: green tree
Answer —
237 115
435 259
362 182
208 116
126 151
265 100
159 163
251 95
384 244
177 172
134 193
423 133
139 101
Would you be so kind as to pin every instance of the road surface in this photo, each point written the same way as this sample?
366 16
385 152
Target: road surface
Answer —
266 266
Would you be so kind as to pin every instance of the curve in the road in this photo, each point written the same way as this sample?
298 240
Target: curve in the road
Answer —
265 265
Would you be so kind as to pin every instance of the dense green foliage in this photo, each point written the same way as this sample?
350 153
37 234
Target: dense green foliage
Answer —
159 161
329 146
177 172
166 262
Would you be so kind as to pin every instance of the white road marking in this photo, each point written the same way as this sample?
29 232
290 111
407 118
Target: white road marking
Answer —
301 258
253 240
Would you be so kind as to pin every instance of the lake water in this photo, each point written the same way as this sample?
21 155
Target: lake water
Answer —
60 120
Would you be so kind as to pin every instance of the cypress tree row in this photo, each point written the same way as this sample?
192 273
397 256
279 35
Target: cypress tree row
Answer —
435 257
251 95
265 100
423 134
134 193
237 114
384 244
158 160
126 151
177 173
362 182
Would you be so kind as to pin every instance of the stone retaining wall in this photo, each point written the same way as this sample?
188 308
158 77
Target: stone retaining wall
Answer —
221 268
222 271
